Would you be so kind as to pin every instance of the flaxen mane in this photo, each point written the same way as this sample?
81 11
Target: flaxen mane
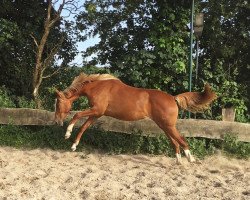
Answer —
83 78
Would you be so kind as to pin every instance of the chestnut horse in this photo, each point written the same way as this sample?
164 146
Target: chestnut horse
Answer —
109 96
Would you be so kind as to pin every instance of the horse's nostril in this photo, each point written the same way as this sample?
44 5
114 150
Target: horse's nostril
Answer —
58 122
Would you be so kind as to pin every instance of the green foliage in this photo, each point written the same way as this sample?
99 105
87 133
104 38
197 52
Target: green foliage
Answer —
10 101
14 73
230 92
9 31
81 104
142 41
231 95
32 137
234 147
23 102
18 21
225 53
114 143
146 44
5 100
201 147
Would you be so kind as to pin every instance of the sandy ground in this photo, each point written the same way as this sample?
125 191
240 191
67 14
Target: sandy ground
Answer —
46 174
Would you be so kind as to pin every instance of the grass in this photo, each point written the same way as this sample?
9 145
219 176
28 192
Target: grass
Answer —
52 137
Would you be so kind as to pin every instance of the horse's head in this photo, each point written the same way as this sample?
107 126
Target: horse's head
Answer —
62 107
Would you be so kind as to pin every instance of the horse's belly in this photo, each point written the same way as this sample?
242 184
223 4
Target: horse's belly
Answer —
127 114
129 105
127 117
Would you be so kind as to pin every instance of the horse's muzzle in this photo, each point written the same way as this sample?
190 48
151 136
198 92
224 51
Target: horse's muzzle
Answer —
59 122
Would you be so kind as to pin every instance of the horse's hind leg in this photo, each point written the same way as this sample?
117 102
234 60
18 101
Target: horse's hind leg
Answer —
175 135
87 123
176 147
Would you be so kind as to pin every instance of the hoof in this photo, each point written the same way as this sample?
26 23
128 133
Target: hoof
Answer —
67 137
189 156
178 159
179 162
198 162
191 159
73 148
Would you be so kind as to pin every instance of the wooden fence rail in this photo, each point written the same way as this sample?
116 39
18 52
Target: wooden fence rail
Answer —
187 127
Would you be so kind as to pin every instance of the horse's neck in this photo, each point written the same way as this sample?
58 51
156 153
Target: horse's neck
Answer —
71 95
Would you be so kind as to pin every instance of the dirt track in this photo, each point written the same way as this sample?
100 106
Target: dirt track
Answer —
46 174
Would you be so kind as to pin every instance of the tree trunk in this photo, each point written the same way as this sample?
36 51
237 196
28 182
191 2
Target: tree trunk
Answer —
43 63
37 80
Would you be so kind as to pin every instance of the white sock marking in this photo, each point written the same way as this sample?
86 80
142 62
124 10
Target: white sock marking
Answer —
178 158
69 130
74 145
189 156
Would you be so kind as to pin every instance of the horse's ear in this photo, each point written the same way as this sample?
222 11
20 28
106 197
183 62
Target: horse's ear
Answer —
59 94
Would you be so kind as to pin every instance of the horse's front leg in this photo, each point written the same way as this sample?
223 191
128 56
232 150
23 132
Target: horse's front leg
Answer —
77 116
88 122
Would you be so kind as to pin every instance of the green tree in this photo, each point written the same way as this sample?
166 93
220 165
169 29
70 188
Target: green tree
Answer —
22 23
225 59
145 42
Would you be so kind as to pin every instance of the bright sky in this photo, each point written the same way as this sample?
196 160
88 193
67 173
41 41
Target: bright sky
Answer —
81 46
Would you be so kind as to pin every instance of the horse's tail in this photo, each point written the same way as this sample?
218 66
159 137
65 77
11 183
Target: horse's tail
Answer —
196 101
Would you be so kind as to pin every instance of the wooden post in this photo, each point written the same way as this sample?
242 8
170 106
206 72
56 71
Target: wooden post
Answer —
228 114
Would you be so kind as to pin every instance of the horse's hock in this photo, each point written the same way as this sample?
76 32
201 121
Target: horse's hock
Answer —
187 127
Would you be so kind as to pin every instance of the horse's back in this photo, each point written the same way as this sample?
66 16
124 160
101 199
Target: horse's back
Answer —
137 103
124 102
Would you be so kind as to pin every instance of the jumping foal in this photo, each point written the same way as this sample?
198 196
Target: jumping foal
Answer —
109 96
